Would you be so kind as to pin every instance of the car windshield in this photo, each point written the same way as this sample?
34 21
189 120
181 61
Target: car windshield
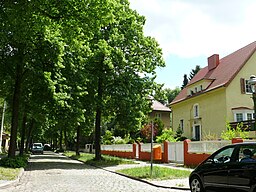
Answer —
37 145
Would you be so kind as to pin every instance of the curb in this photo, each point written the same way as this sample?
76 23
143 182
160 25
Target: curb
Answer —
7 184
135 178
144 181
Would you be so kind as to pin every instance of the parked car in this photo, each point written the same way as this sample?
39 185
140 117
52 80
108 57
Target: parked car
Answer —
231 168
37 148
47 147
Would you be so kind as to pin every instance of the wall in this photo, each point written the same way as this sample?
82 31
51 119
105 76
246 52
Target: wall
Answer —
190 159
234 96
165 117
212 113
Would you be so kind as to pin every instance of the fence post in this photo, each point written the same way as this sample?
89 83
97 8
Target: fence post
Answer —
139 145
165 153
134 146
186 158
237 140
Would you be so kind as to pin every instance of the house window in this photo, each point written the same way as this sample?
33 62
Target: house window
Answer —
196 89
158 115
239 117
243 115
196 110
249 116
201 87
245 87
182 124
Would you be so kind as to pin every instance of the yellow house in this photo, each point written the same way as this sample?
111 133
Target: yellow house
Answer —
162 112
218 93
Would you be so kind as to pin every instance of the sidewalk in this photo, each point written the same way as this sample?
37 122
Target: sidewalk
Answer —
172 183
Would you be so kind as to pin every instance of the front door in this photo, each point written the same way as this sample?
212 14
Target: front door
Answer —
197 132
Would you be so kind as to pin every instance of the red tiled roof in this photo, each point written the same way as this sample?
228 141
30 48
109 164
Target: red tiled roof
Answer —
157 106
224 73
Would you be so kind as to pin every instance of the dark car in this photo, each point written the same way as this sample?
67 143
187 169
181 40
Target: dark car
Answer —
231 168
37 148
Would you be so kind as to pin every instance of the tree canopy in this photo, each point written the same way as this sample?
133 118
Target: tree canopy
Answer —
67 65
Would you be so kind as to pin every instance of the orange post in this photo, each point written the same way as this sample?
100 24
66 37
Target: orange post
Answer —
157 152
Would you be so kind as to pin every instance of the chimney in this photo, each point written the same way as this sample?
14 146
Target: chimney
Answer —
213 61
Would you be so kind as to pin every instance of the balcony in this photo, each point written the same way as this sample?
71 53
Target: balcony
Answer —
248 125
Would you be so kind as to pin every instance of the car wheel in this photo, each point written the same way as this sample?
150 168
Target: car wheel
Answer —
196 185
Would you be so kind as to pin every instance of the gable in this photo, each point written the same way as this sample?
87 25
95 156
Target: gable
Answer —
221 75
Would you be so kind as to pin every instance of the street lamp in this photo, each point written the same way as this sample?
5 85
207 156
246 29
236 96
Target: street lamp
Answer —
252 83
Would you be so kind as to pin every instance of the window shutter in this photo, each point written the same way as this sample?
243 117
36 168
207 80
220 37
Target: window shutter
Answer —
242 85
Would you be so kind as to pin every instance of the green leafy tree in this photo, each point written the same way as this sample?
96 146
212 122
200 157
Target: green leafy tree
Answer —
185 81
172 93
194 72
19 52
120 53
166 96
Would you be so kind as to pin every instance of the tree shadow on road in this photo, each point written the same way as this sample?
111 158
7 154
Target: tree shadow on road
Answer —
54 161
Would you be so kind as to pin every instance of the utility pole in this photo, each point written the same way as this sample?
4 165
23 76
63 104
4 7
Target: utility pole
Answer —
151 158
2 127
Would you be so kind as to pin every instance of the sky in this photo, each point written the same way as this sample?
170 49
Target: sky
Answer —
190 31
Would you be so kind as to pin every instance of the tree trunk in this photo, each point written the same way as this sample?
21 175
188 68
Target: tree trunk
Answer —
30 129
78 131
23 130
15 110
98 121
66 140
61 137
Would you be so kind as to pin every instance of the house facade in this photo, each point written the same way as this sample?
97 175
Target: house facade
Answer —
160 111
219 93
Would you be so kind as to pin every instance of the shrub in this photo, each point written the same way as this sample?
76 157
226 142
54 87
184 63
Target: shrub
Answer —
16 162
157 129
210 136
118 140
107 138
231 133
167 135
178 135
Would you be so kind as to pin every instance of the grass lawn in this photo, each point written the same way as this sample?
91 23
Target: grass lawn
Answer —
159 173
9 173
88 158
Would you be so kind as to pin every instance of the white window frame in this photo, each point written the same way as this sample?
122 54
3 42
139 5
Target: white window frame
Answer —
247 87
196 110
244 113
182 124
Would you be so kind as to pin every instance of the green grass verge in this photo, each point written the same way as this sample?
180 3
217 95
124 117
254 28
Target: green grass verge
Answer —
106 160
9 173
158 173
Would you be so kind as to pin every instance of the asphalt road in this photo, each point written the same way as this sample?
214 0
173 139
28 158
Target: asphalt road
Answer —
53 172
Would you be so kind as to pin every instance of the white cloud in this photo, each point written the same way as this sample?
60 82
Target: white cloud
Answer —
200 27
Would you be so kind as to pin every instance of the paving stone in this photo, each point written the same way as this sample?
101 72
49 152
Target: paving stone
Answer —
55 173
